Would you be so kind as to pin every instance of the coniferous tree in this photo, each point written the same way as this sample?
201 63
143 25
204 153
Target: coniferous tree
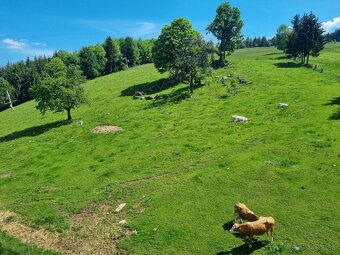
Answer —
334 36
306 38
110 55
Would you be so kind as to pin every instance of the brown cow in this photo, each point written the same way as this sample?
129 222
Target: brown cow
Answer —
241 211
259 227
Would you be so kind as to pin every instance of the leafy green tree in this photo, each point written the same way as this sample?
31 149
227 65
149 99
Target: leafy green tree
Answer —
193 60
92 61
145 51
59 88
282 36
114 58
129 49
67 57
181 50
172 39
226 27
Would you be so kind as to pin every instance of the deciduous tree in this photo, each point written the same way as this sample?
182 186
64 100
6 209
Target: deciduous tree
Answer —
181 50
226 27
92 61
59 89
130 51
282 36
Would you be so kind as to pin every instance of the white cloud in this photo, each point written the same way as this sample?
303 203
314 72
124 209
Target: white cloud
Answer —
24 47
331 26
124 27
12 44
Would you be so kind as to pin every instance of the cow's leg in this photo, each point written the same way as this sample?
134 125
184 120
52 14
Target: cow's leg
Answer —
235 216
250 238
272 233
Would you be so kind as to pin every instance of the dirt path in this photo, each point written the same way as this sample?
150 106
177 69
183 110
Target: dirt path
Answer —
94 231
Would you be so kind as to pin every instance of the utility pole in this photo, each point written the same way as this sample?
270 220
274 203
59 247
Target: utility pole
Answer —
10 101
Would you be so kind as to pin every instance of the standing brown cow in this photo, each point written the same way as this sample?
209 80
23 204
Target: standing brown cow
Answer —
259 227
241 211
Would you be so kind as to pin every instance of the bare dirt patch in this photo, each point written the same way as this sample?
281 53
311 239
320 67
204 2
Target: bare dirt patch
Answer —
5 175
106 129
9 222
94 231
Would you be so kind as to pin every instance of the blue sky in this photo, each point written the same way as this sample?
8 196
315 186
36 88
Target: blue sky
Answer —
39 27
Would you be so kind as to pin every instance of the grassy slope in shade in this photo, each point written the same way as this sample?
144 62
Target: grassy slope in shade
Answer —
284 162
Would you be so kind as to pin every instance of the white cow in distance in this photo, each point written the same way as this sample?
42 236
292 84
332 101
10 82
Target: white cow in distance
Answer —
283 105
237 118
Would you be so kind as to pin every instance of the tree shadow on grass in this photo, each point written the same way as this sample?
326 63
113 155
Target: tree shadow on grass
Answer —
244 249
172 98
33 131
273 53
334 101
150 87
175 97
288 65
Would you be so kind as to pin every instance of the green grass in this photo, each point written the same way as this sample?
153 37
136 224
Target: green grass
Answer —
11 246
283 163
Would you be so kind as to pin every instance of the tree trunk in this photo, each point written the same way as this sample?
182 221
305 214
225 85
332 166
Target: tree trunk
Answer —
307 59
191 85
69 114
224 61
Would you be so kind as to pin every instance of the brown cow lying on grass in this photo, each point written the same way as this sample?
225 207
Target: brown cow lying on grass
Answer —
259 227
242 212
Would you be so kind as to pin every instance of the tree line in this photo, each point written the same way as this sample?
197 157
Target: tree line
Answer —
256 42
112 55
334 36
179 49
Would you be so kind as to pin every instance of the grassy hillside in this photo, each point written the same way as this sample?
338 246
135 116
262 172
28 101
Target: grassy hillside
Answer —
181 165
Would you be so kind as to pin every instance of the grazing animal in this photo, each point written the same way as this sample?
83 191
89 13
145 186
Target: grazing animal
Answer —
242 212
236 118
283 105
259 227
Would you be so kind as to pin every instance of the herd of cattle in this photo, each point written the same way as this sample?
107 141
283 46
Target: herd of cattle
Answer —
255 225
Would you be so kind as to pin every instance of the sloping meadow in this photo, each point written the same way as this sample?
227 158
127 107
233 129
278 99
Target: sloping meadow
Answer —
180 164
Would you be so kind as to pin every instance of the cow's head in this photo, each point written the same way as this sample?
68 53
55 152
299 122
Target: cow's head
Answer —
233 228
